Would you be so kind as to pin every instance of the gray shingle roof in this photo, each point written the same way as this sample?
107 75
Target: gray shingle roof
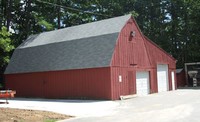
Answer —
85 46
97 28
77 54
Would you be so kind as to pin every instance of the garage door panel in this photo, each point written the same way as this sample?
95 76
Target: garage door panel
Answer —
162 77
142 83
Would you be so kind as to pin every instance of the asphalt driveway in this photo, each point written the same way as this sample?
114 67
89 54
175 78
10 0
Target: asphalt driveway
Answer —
174 106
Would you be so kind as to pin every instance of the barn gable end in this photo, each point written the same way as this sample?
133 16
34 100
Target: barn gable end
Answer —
134 55
130 51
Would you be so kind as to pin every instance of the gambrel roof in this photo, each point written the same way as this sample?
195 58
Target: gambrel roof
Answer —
98 28
84 46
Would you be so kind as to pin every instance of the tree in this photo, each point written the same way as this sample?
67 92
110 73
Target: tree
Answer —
173 25
184 30
5 46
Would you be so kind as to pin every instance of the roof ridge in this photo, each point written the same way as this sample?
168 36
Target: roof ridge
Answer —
69 27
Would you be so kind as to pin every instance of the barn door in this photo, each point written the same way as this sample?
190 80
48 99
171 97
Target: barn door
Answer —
162 77
142 83
131 84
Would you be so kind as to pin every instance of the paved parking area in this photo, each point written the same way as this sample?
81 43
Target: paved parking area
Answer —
182 105
174 106
78 108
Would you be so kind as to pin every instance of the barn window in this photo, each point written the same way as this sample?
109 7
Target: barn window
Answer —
132 34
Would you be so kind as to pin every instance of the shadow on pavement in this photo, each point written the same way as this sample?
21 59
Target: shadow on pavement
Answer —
4 103
56 100
192 88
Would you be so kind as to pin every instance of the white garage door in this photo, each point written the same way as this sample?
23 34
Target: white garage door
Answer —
162 78
142 83
173 80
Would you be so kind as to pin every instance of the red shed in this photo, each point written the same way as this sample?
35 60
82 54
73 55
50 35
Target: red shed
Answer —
181 80
99 60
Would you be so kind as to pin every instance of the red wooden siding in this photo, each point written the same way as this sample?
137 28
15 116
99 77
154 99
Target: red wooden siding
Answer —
138 54
130 52
124 87
156 55
89 83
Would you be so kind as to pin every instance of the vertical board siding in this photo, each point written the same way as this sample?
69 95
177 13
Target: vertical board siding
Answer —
131 85
139 54
158 56
130 52
124 87
86 83
153 81
181 80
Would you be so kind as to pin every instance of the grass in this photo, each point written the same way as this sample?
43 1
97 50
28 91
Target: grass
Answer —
50 120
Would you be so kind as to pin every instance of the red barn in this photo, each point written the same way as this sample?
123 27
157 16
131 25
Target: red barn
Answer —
99 60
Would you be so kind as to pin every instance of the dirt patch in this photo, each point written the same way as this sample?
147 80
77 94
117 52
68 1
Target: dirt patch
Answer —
22 115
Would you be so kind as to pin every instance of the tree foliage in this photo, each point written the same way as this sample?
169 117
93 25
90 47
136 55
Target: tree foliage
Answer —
5 46
173 25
